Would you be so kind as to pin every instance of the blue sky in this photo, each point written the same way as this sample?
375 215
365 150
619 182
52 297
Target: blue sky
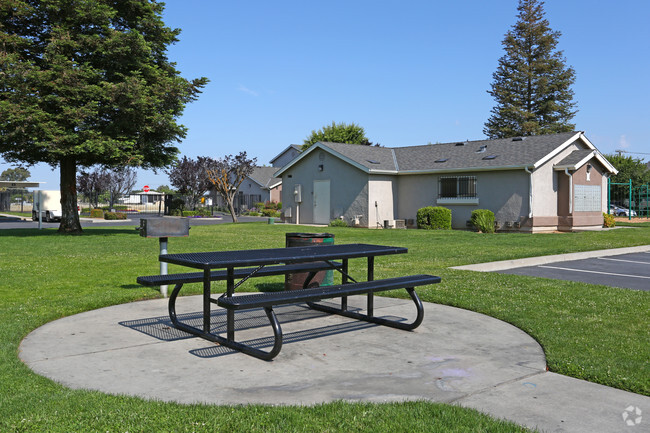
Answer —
409 72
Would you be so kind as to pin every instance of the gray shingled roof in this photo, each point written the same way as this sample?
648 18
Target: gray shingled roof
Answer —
264 176
575 157
372 157
508 153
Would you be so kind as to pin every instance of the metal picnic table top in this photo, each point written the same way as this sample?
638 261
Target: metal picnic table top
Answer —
270 256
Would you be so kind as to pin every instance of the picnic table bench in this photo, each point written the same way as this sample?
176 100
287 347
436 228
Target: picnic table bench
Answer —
246 264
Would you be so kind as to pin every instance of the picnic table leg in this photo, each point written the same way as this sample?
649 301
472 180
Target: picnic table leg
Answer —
206 301
344 280
371 276
230 314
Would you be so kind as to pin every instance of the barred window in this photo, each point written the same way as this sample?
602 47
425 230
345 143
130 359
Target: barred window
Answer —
457 187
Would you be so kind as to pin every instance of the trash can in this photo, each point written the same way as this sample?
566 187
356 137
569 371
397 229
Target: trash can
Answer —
322 278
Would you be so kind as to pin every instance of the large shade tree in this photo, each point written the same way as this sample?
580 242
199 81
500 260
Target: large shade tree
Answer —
88 82
337 133
532 84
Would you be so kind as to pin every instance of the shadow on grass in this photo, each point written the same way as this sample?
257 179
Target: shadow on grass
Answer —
270 287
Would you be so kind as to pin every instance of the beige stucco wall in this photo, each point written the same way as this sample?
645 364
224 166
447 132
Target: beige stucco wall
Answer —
348 188
546 183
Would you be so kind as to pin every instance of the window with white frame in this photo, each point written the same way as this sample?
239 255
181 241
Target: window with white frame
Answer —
457 187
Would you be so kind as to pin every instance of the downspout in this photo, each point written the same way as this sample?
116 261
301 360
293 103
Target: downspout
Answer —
530 193
566 171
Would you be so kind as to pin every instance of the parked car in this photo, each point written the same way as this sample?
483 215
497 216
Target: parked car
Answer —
620 211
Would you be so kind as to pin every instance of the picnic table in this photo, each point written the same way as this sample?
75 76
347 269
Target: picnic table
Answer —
245 264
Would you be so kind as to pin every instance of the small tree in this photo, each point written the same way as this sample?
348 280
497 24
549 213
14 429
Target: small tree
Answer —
92 184
120 181
338 133
532 84
228 173
18 174
190 178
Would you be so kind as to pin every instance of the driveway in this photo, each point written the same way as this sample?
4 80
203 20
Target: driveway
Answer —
10 222
629 271
621 267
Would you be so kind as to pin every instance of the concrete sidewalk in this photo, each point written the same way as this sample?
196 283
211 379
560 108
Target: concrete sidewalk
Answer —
455 356
543 260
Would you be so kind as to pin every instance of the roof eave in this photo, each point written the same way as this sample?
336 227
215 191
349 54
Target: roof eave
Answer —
561 147
464 169
319 145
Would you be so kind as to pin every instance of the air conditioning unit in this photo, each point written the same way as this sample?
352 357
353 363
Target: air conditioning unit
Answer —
509 224
400 224
389 224
516 224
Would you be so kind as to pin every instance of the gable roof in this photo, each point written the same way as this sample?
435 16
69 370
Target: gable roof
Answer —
578 158
296 147
264 177
480 155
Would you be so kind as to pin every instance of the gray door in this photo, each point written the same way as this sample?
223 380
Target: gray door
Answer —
321 202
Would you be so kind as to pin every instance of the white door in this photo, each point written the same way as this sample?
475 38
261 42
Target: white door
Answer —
321 202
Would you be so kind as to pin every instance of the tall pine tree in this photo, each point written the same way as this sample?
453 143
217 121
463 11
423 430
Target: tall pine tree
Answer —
532 84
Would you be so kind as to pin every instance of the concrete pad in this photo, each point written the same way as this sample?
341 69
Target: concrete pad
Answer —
455 356
132 349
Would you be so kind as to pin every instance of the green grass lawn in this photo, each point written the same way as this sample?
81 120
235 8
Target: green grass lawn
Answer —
590 332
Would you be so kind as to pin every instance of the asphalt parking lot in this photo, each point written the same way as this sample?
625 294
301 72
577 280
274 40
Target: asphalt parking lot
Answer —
630 271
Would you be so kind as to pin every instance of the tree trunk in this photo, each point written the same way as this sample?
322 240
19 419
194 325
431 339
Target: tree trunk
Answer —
69 216
231 208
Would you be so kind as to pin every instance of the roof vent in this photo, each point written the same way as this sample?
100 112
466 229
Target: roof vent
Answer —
373 161
482 149
518 139
442 160
460 143
490 157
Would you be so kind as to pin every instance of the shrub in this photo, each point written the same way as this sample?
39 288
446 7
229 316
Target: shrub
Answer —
189 213
254 213
608 220
483 220
278 205
177 203
434 218
114 216
270 213
338 223
96 213
259 205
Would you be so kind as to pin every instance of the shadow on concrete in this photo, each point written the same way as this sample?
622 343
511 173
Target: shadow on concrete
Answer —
161 328
290 337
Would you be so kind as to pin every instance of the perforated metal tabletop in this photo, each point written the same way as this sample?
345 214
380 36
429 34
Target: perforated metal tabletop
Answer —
238 258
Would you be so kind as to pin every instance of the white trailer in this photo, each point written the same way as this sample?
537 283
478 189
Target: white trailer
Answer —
49 204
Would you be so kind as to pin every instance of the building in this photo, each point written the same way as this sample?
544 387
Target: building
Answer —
535 183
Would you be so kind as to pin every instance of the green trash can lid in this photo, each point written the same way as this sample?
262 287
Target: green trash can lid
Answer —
309 235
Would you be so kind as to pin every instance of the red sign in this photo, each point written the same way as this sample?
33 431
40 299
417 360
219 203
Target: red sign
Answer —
146 188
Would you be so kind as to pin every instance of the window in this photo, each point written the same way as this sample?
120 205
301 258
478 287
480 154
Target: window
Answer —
457 187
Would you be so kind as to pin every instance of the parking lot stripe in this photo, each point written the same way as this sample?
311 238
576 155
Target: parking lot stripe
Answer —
621 260
594 272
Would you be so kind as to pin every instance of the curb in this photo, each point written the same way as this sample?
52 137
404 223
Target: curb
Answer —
542 260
